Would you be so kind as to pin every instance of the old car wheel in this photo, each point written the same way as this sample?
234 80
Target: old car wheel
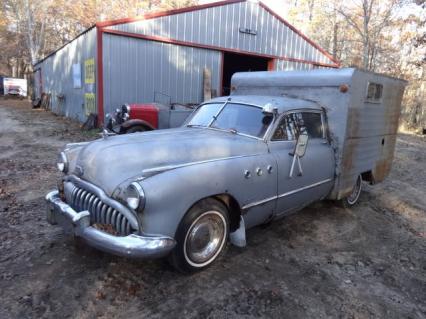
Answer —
352 199
201 236
137 128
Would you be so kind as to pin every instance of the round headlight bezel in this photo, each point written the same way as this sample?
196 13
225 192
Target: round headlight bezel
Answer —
62 163
135 196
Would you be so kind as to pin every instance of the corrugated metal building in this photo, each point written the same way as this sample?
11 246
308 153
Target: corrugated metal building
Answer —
162 56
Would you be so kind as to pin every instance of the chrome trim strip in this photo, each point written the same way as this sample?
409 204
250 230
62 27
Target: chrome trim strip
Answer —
260 202
304 188
169 167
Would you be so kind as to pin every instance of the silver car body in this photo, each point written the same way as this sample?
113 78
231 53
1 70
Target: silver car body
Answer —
178 167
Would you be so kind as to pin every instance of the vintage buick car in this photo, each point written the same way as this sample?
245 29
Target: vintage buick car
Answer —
281 141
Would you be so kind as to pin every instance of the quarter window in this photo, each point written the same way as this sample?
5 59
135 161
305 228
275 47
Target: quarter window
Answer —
293 124
374 92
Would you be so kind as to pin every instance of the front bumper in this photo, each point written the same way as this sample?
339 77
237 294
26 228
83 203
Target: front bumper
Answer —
78 223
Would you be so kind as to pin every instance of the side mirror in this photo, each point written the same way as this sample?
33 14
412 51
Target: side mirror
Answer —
302 143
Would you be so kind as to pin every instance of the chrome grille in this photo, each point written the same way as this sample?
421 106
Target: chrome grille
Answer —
100 213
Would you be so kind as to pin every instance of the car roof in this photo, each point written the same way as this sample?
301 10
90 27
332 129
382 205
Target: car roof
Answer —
283 104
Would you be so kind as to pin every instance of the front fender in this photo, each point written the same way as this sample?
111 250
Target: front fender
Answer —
170 194
135 122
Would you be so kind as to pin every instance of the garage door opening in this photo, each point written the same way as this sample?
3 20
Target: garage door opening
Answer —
233 63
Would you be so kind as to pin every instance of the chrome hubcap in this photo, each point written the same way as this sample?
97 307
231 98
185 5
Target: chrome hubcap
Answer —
353 197
205 238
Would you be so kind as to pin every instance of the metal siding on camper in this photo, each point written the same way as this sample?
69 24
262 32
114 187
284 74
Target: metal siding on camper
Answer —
363 132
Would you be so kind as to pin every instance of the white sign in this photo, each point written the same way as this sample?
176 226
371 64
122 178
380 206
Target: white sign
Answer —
76 75
14 86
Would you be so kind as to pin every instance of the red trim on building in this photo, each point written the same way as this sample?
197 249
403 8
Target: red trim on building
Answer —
100 77
210 47
328 55
271 65
222 65
211 5
166 13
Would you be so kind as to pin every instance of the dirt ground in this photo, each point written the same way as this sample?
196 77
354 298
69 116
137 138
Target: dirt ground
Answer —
324 262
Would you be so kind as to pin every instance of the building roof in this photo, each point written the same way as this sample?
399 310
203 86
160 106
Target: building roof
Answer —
152 15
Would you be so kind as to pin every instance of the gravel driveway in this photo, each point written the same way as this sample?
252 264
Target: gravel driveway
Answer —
324 262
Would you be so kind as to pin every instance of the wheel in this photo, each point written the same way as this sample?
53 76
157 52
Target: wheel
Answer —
352 199
201 236
136 128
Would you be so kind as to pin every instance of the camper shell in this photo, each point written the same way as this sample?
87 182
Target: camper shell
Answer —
362 110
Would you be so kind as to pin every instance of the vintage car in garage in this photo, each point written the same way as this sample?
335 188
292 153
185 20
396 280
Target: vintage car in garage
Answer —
281 141
131 118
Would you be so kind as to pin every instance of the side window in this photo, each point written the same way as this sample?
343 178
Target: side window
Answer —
293 123
286 130
312 123
374 92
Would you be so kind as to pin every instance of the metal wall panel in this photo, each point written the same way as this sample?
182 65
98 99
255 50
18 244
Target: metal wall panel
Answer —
141 71
283 65
219 26
57 76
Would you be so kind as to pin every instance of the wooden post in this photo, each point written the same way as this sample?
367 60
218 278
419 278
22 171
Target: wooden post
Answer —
207 85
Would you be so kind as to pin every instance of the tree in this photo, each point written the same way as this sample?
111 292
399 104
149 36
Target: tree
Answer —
387 36
31 29
369 18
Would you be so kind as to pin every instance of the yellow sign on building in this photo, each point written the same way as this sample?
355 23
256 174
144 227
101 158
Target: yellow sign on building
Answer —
90 103
89 71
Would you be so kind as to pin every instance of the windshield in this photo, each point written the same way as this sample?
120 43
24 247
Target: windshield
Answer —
237 118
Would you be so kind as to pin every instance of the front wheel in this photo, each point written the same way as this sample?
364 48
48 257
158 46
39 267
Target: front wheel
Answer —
353 197
135 129
201 236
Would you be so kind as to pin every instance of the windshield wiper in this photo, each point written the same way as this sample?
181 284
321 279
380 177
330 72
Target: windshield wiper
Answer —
230 130
194 125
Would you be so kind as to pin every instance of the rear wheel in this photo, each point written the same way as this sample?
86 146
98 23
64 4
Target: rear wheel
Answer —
353 197
201 236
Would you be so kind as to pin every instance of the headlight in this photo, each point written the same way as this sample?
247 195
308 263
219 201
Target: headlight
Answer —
125 108
62 163
135 196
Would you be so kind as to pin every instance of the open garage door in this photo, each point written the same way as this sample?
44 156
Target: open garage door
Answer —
233 63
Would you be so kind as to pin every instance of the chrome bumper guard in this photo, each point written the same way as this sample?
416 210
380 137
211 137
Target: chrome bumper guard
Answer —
78 223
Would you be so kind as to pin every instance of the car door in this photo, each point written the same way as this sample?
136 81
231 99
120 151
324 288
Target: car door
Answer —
313 179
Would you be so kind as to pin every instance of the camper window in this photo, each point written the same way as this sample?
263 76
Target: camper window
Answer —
374 92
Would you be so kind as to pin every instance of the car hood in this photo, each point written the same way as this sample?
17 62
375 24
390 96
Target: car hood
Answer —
111 161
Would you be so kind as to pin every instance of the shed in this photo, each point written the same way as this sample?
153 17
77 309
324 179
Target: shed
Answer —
164 57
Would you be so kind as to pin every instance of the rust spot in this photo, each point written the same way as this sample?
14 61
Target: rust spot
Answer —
348 154
382 169
107 228
344 88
